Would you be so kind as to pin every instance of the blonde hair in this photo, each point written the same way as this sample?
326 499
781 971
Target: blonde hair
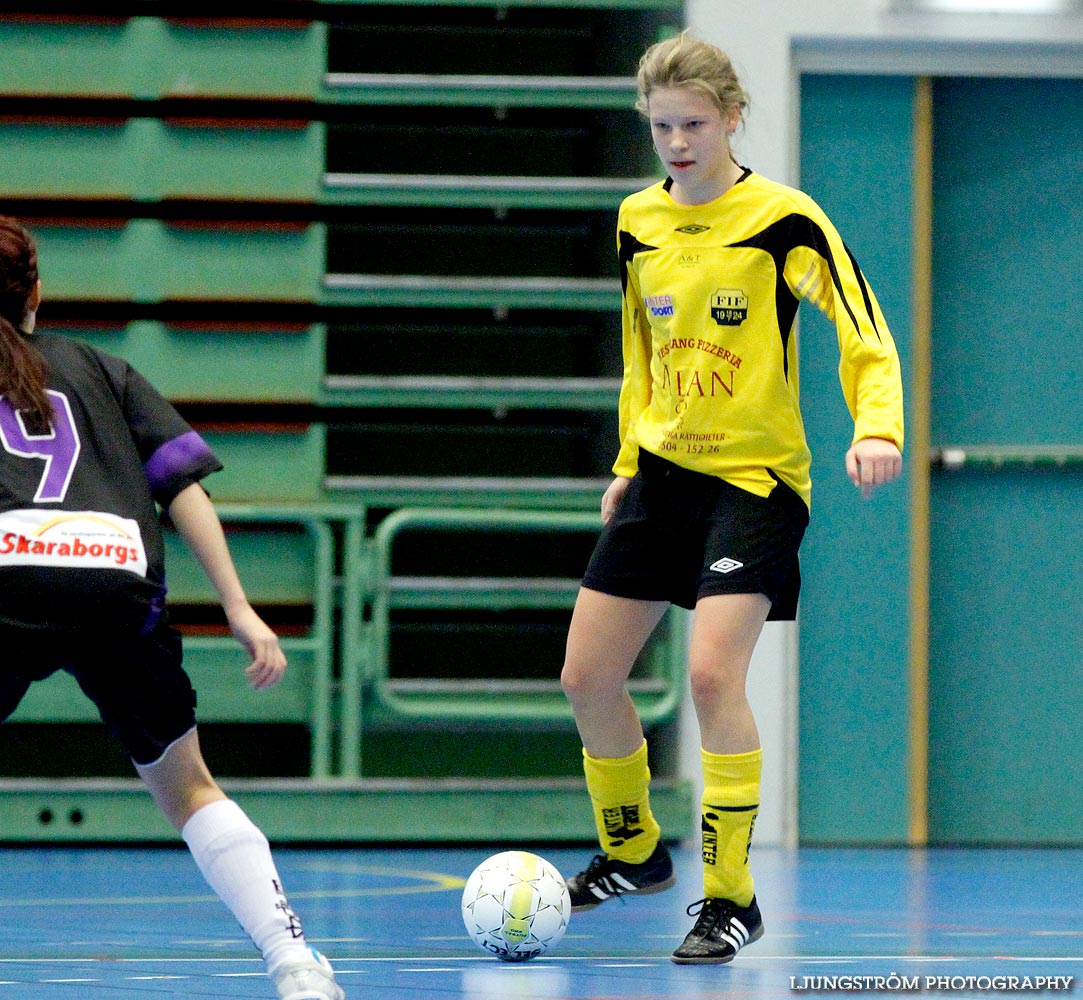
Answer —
685 61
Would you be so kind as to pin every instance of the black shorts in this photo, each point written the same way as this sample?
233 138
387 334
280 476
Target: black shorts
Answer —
137 682
679 535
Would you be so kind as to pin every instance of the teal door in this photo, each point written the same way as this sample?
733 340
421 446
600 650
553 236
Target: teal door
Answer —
1005 513
1006 529
856 151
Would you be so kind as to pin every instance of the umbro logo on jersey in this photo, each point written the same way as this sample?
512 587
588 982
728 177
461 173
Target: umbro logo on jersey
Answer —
693 229
726 565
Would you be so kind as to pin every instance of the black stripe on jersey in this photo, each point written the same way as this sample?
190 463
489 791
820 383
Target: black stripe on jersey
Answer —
864 292
778 239
627 247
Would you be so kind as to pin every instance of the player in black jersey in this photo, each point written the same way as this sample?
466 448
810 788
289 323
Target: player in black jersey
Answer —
711 495
88 453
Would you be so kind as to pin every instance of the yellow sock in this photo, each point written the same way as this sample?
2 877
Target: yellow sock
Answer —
731 799
619 790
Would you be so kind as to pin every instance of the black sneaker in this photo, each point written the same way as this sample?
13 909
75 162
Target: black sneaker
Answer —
607 877
722 929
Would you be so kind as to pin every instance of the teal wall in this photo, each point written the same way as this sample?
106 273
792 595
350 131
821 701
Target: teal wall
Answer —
1008 250
1005 654
856 153
1006 657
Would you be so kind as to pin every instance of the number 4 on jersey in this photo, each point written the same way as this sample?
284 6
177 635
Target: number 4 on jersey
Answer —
60 447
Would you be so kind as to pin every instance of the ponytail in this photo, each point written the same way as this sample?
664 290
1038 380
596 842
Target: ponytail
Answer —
22 368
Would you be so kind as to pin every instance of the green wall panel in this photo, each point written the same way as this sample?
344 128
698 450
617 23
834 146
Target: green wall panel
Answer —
854 648
456 810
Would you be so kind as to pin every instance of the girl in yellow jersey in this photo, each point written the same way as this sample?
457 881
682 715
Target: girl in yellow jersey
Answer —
711 494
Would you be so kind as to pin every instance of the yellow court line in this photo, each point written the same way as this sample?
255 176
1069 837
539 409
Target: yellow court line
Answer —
436 883
918 438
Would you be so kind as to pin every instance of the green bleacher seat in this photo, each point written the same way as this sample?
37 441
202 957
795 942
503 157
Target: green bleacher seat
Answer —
151 260
212 361
144 159
151 57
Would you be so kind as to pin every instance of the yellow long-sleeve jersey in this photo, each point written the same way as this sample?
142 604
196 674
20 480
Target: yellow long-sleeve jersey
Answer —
710 295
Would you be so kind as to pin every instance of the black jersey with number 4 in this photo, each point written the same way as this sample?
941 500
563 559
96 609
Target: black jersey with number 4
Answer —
80 541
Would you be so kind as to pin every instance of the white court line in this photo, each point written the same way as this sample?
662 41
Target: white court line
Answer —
437 969
827 961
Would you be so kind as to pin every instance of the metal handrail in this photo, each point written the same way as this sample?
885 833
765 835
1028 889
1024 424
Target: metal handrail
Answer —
366 641
486 182
505 90
480 81
480 191
661 5
483 291
999 456
498 485
470 390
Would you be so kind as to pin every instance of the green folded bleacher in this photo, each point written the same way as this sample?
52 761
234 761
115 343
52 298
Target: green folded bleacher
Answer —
367 250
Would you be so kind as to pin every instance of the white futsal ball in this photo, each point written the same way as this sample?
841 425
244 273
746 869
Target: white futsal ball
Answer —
516 906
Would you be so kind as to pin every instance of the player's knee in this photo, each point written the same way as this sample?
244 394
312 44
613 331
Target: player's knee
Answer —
712 686
571 681
580 683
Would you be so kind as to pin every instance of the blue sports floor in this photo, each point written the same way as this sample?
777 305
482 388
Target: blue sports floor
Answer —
140 923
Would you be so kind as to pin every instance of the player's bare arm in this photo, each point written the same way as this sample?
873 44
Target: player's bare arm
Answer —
197 522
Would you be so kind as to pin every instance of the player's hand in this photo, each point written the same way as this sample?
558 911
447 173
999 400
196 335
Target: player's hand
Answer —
871 462
268 661
612 497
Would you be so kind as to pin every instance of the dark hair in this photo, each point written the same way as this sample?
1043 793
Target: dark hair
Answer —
22 368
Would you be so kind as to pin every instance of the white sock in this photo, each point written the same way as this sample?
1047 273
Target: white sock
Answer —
236 861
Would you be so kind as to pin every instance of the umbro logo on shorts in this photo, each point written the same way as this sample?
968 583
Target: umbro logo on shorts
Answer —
726 565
